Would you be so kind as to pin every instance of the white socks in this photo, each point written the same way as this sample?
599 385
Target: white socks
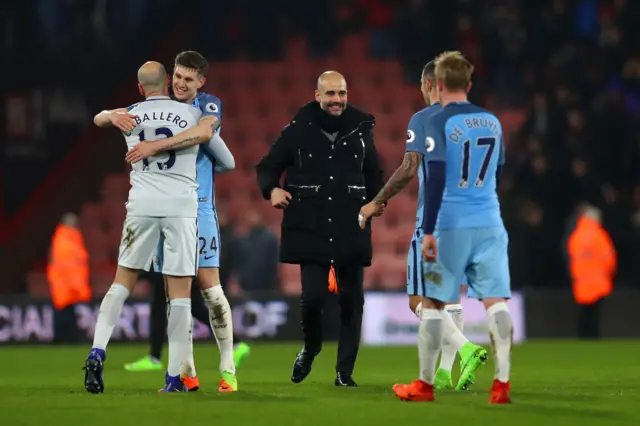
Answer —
429 343
221 323
178 330
501 331
453 338
110 309
189 365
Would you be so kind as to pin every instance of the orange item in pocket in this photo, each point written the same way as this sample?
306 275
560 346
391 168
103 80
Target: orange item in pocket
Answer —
333 281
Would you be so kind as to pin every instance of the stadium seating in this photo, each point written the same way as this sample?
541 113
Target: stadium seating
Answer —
259 99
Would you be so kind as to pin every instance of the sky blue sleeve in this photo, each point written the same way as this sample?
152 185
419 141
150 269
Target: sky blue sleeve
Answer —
434 141
219 150
415 136
435 157
211 105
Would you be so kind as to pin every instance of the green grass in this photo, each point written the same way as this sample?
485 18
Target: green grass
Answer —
553 383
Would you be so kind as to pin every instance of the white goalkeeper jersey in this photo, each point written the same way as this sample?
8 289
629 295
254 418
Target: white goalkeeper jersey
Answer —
163 185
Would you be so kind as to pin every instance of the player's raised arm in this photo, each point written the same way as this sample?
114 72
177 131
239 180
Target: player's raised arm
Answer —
403 174
194 136
415 150
119 118
219 150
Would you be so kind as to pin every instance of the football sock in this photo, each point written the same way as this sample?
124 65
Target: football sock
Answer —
501 330
452 333
178 327
429 343
110 309
189 365
449 351
221 322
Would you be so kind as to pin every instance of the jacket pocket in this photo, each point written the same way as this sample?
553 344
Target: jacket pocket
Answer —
357 192
304 191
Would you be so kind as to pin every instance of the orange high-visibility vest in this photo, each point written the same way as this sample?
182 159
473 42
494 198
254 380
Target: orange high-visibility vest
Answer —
592 259
68 268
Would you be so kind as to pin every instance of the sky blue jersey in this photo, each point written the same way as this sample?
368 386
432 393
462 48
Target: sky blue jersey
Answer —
416 143
465 154
209 105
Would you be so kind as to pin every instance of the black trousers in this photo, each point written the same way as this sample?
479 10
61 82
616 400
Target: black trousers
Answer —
158 320
65 328
589 320
351 300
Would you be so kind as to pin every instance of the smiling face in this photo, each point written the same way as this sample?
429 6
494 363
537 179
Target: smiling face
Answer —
189 75
186 82
332 93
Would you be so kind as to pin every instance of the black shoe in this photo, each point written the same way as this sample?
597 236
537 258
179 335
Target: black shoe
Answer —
93 369
302 366
345 380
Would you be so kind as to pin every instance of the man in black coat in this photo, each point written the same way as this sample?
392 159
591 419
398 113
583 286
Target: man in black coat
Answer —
332 169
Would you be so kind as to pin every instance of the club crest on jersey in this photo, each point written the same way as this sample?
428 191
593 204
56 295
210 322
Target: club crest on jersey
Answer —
411 136
211 107
430 144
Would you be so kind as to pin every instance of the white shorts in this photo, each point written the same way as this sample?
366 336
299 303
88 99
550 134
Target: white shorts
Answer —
179 236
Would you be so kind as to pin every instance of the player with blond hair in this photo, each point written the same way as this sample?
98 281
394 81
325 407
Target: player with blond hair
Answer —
463 232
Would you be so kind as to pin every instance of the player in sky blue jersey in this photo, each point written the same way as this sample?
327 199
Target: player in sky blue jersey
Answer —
472 356
189 76
464 235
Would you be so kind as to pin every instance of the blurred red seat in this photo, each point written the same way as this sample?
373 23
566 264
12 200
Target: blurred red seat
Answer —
38 285
290 279
115 187
354 46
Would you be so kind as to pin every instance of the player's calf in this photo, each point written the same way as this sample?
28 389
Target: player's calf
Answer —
110 309
429 344
178 328
220 316
501 333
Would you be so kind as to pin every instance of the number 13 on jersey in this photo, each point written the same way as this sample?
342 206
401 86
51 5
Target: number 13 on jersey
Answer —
160 131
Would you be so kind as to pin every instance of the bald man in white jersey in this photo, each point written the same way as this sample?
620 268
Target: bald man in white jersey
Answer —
162 201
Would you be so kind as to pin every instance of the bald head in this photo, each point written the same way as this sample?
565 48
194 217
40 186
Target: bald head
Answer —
152 76
331 77
331 93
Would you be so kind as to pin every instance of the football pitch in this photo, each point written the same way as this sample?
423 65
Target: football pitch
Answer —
553 383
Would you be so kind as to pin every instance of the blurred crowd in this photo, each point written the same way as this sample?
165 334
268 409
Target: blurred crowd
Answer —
572 65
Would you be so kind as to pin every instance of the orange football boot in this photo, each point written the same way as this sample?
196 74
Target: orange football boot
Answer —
418 391
192 383
500 393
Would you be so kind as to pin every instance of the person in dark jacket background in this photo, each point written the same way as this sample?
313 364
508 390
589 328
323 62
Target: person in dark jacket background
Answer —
332 169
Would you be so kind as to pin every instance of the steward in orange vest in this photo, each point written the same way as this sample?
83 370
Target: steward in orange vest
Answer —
68 276
592 263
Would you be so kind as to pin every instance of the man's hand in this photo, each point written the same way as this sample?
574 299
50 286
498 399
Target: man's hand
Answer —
369 210
280 198
139 152
123 120
429 249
